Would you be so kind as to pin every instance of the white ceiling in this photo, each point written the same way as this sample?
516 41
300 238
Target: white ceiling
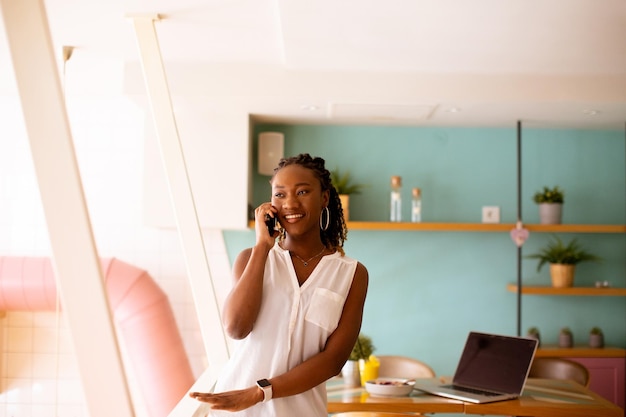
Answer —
416 62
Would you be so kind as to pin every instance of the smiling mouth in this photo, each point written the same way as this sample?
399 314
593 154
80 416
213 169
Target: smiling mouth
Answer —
293 216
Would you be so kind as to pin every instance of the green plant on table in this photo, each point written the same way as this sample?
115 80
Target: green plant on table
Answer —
362 349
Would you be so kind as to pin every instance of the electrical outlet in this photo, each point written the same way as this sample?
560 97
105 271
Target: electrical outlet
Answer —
491 214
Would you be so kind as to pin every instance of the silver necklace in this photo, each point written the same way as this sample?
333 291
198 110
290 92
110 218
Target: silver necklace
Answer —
306 263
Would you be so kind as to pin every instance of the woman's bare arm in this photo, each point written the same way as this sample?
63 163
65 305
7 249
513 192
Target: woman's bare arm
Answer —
243 303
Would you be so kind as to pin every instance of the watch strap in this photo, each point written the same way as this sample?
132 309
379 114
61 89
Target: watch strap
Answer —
266 387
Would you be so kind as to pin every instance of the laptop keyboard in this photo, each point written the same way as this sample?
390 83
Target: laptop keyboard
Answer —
472 390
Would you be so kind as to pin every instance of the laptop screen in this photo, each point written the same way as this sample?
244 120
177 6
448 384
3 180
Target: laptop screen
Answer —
495 363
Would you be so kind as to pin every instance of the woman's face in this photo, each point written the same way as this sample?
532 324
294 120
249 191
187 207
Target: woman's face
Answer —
298 197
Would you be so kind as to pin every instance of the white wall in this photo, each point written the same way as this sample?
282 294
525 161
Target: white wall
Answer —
216 149
38 375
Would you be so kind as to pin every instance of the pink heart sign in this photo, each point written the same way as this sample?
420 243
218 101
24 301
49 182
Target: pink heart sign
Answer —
519 235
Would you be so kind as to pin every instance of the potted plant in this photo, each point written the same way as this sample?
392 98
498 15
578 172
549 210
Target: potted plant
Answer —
362 350
533 333
345 185
566 339
550 201
596 338
562 259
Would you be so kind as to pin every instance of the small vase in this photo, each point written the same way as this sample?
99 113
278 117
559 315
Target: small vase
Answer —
550 213
565 340
596 340
351 374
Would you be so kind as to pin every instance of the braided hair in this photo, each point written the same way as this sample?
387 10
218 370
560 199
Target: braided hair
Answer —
336 233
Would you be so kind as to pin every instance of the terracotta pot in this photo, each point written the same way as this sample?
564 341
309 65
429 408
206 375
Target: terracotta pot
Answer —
562 275
345 204
550 213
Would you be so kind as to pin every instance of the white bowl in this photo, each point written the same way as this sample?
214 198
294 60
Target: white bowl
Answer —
390 387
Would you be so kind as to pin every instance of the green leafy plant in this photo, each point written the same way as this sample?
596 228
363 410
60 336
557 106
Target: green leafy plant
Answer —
566 339
548 195
532 330
556 252
362 349
596 338
533 333
595 330
343 182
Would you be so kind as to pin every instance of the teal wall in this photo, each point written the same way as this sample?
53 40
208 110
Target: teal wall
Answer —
427 289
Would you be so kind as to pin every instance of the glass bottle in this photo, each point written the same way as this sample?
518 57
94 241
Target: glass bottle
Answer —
396 199
416 205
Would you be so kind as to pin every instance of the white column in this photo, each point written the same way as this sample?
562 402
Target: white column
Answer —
180 191
75 258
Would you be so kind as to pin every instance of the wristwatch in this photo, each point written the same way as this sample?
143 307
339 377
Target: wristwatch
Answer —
266 387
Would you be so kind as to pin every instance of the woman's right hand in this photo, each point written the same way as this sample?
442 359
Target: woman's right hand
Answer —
261 214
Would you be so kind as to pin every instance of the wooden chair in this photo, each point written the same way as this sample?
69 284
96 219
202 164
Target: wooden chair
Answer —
403 367
559 368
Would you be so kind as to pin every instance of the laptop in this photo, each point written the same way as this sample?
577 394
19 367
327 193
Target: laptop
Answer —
492 368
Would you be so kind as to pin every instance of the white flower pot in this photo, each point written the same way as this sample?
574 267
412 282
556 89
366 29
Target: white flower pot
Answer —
550 213
351 374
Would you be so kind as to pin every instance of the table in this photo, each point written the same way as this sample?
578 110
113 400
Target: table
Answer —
541 398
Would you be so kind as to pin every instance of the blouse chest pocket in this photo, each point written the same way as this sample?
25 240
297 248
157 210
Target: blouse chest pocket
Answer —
325 309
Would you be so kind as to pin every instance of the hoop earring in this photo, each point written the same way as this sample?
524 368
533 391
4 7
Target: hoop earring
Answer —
324 226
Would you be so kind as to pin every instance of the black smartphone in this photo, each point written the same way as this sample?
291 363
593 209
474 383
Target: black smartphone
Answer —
271 224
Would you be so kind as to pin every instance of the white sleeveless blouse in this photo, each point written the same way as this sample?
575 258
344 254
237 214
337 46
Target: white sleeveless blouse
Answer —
293 325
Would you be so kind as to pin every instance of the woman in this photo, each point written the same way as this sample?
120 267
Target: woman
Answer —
296 304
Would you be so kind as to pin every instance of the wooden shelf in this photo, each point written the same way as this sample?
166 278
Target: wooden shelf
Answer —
580 352
487 227
576 228
483 227
548 290
431 227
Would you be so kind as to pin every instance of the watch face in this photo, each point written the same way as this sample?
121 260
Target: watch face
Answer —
263 383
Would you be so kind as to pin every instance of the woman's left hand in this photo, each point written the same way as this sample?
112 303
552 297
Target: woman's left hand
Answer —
230 400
